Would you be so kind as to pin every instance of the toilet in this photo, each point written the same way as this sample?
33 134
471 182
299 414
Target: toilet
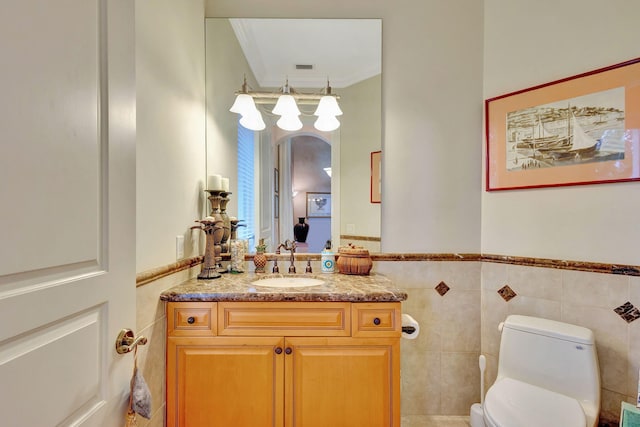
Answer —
547 376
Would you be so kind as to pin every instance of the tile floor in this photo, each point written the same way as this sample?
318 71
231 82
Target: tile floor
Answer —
434 421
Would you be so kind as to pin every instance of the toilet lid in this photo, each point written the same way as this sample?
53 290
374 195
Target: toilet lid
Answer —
511 403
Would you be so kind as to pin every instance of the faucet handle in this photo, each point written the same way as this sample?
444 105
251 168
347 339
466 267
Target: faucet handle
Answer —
308 269
275 269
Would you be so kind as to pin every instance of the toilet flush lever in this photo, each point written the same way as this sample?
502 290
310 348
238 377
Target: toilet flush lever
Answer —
500 326
127 341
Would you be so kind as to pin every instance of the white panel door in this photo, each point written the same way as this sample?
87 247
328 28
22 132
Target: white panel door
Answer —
67 223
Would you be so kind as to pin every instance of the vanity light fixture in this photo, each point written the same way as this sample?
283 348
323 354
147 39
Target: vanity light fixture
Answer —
286 107
288 110
327 111
246 107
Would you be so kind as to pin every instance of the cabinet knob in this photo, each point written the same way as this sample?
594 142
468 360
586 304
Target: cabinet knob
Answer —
288 350
376 321
191 320
278 350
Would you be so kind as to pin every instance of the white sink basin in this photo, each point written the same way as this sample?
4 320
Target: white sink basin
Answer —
288 282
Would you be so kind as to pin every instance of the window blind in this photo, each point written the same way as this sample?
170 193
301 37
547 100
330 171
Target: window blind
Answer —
246 192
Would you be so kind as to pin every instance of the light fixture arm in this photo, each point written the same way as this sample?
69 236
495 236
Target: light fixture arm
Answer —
271 97
327 90
262 98
245 87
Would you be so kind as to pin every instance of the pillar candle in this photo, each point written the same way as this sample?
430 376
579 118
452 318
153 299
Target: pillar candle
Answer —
214 182
225 184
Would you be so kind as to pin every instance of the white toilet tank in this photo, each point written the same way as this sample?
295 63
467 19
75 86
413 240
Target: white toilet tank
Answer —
553 355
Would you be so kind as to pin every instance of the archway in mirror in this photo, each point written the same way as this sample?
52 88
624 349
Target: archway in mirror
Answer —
284 176
310 190
302 184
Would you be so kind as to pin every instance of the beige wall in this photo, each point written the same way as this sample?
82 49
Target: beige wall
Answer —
170 164
360 134
170 128
222 125
432 93
586 223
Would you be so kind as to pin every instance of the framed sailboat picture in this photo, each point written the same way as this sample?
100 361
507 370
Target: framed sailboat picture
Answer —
579 130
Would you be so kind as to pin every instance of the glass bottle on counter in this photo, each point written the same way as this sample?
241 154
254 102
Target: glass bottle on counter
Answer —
237 248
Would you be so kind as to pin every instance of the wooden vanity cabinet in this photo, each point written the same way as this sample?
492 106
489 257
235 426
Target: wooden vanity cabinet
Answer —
301 364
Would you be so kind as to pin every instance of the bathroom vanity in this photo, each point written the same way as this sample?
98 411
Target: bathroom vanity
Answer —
239 354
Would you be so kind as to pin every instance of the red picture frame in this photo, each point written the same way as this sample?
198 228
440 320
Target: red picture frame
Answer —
375 185
583 129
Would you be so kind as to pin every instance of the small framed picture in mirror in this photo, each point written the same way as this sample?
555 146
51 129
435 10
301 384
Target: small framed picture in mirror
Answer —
318 205
376 182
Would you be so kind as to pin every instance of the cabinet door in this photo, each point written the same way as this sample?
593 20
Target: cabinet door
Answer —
342 382
224 382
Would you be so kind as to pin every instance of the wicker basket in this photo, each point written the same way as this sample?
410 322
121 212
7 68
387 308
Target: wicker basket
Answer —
354 260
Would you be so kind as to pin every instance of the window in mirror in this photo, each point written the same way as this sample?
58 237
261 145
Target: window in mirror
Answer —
246 205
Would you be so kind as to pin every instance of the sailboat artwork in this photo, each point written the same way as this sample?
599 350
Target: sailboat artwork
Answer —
585 129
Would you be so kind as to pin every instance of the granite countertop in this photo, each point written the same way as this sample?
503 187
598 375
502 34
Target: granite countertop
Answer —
239 287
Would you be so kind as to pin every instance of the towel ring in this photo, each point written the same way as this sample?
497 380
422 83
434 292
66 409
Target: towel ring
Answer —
127 341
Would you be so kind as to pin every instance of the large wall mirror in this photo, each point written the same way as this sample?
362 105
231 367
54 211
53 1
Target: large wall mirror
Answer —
281 177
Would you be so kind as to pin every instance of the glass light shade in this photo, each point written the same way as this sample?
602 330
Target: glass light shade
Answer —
253 120
286 106
327 123
243 104
290 123
328 106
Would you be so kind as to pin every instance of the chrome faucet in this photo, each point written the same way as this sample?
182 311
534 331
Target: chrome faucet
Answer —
289 245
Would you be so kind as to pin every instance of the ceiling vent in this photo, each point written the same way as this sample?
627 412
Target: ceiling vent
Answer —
304 67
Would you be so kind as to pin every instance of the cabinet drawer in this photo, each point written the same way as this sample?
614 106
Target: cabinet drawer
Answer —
376 319
284 318
188 319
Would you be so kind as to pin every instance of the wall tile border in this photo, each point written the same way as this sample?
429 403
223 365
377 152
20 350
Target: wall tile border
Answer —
361 238
425 257
594 267
160 272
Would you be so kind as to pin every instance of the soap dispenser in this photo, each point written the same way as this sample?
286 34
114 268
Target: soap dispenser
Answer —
328 258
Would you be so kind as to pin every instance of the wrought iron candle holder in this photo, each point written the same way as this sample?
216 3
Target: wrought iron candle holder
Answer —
213 230
226 220
218 200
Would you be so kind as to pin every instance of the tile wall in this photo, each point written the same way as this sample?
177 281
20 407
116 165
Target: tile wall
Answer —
151 322
578 297
458 306
439 369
